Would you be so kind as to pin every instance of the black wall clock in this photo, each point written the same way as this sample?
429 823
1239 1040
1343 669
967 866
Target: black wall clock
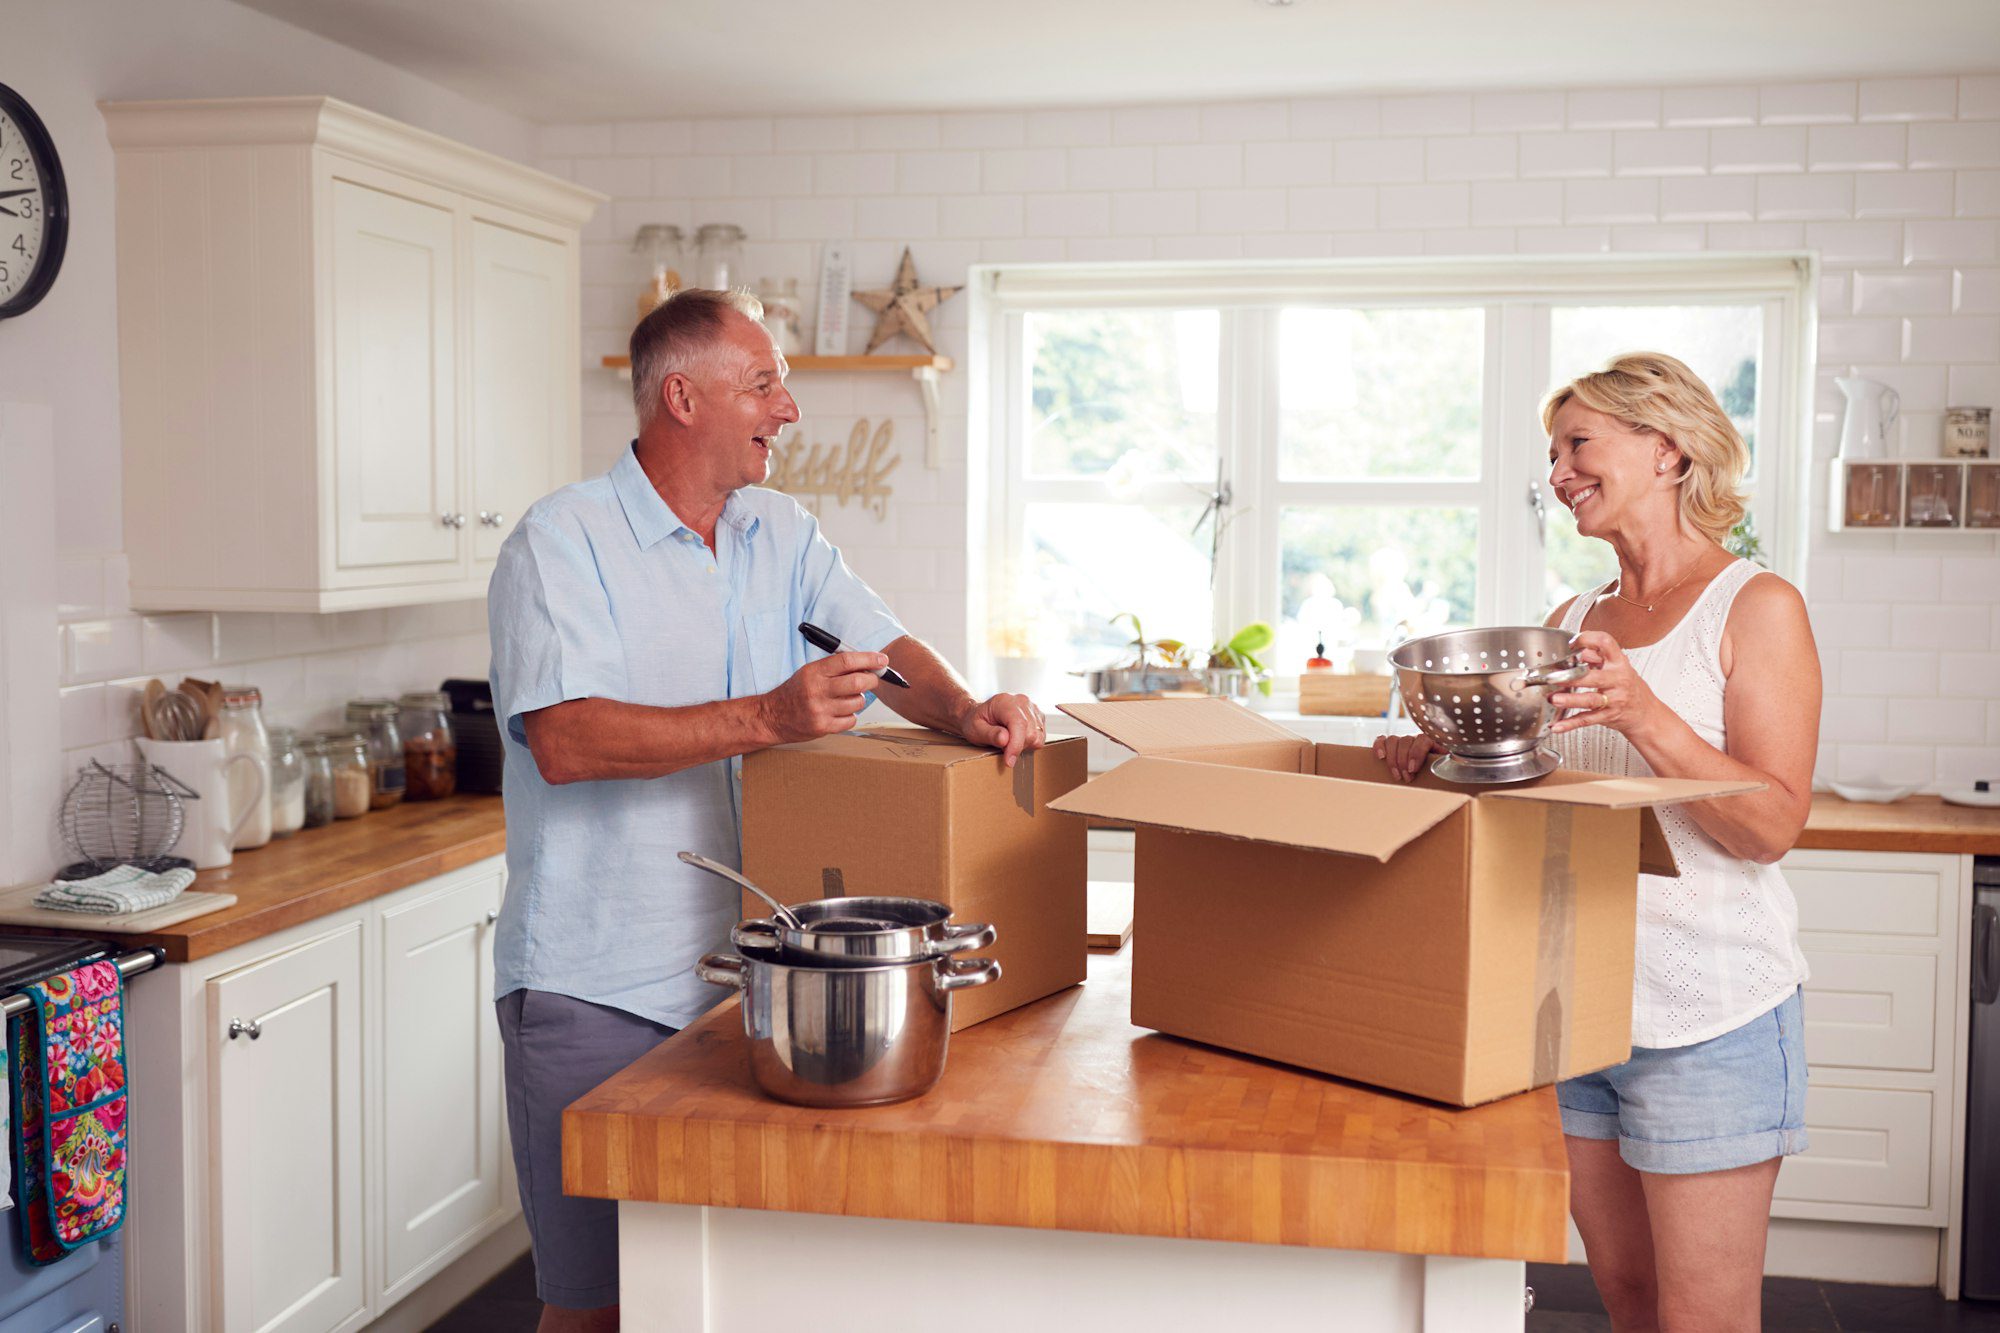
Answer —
34 207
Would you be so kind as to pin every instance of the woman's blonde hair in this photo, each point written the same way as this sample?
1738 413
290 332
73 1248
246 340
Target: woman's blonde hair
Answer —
1653 391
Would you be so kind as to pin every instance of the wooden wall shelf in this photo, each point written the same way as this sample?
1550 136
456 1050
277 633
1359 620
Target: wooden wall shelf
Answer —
923 369
624 364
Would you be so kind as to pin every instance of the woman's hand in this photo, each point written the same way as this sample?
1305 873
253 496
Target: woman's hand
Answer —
1611 694
1405 755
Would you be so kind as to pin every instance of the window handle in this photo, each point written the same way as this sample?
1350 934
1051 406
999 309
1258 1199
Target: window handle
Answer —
1541 509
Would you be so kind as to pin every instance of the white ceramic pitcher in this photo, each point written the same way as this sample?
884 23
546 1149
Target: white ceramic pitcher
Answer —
1871 409
212 823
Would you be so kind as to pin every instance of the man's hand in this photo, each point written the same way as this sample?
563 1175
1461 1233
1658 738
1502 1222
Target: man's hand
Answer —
1009 722
822 697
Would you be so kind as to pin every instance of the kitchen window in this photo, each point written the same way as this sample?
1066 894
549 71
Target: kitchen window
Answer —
1347 450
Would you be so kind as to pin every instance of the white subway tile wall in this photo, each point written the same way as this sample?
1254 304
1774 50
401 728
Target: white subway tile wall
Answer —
1896 182
307 666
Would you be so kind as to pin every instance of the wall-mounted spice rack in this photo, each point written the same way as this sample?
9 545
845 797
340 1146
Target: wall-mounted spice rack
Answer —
1914 495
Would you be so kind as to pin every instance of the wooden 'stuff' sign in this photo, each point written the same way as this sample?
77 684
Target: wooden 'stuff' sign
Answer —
858 470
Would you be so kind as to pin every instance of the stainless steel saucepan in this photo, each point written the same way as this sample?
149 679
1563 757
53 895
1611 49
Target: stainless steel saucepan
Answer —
845 1036
856 932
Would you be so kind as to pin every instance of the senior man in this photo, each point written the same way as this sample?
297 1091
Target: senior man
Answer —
645 635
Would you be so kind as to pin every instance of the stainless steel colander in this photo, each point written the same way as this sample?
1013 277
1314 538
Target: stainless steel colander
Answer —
1482 694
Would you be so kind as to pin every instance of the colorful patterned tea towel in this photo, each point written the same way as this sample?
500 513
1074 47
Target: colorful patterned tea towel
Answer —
117 891
70 1104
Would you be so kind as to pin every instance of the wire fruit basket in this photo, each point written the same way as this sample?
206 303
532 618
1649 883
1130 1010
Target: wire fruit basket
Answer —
123 814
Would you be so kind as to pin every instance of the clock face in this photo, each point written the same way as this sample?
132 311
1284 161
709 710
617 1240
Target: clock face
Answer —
34 211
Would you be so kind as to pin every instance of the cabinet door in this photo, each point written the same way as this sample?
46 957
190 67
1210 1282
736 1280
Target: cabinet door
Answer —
287 1148
523 378
440 1169
394 396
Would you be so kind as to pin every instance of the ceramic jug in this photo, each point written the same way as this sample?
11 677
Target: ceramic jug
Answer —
1871 409
222 783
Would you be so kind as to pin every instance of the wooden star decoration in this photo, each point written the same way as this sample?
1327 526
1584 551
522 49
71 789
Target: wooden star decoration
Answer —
902 307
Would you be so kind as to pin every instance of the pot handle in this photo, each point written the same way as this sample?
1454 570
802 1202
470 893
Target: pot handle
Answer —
1554 674
962 936
723 969
962 973
759 933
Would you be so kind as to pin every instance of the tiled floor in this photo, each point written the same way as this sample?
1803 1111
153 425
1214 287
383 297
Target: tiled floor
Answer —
1565 1302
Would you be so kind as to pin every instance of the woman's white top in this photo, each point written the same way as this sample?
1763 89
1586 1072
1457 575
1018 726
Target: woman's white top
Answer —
1718 946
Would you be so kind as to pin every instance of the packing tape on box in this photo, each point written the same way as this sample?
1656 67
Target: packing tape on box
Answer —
1024 782
1555 948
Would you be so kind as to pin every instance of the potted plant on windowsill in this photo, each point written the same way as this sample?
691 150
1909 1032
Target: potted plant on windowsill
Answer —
1156 667
1235 666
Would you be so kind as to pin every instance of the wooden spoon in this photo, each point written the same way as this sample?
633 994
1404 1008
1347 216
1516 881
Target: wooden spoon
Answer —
154 692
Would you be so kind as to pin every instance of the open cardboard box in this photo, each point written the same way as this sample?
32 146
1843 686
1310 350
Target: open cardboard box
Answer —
1296 902
911 813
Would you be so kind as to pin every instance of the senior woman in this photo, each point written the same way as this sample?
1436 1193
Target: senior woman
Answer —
1702 666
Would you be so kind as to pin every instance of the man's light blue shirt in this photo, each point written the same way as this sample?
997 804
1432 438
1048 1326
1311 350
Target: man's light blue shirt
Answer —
602 592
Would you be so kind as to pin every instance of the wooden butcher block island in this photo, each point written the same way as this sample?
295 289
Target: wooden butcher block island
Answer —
1063 1118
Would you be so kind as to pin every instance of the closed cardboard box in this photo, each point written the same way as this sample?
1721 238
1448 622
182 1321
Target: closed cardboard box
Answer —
919 814
1295 902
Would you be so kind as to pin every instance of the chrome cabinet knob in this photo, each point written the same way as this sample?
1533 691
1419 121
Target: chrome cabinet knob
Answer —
458 520
444 520
492 916
238 1028
492 519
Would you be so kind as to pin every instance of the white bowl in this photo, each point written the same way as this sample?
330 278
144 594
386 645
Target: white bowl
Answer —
1870 793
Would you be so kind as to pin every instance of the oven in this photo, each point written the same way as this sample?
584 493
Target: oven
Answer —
85 1291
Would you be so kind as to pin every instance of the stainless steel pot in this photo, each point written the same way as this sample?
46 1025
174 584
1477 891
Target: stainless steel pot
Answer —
845 1036
854 932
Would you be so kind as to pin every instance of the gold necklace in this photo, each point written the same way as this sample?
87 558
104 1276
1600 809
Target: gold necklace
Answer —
1649 607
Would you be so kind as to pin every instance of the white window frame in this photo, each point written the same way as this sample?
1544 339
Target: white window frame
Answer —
1515 293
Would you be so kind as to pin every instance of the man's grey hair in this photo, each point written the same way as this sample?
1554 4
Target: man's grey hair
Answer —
679 337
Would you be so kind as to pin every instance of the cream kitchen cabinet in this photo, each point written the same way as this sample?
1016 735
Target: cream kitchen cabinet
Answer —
284 1049
439 1169
348 353
317 1127
1886 937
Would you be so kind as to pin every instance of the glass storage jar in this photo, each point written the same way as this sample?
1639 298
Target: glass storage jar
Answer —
376 720
660 245
353 775
430 751
318 784
241 727
719 254
288 783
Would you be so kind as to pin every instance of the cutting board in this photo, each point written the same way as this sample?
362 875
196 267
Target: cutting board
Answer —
1108 915
17 908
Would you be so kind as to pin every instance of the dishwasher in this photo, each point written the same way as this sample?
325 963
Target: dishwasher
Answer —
1980 1274
83 1292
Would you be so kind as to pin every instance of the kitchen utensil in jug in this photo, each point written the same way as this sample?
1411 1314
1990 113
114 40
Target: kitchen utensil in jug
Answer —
1871 409
846 1036
1483 695
700 862
122 814
230 788
856 932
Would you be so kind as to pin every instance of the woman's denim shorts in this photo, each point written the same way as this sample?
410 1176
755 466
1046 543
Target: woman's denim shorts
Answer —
1730 1101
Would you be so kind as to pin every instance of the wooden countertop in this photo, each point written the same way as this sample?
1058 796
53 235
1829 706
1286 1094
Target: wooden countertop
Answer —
1062 1115
1913 824
319 871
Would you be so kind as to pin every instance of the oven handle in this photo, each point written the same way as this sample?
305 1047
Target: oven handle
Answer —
129 965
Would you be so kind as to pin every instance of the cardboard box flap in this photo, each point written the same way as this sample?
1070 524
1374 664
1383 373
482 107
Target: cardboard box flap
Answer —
1628 793
1152 725
897 745
1287 809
